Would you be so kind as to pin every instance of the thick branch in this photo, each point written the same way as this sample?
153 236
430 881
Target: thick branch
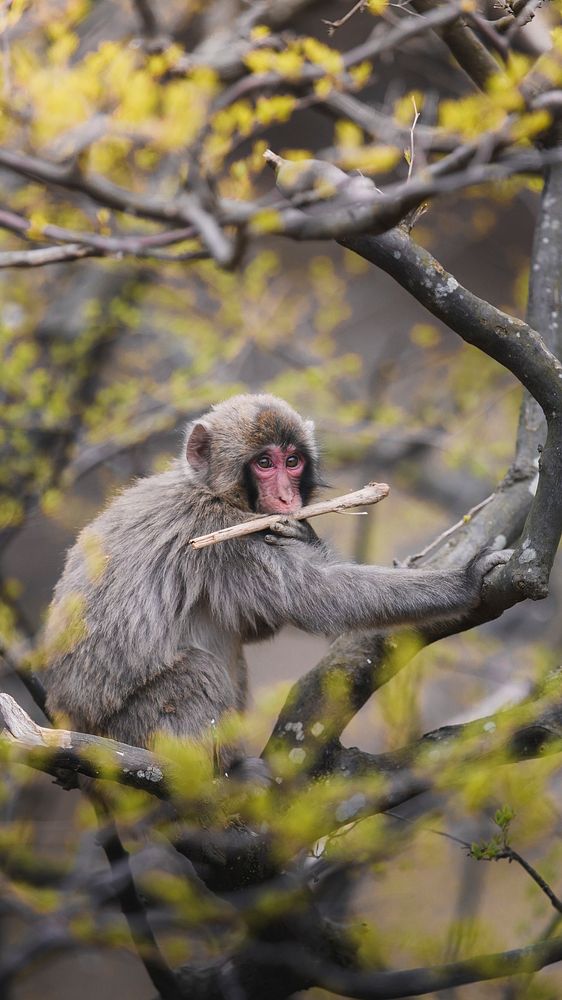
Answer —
466 47
508 340
377 213
544 312
532 729
260 963
362 663
411 982
522 351
134 909
56 750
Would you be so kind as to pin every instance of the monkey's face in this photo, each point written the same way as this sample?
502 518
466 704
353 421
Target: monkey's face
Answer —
277 472
257 452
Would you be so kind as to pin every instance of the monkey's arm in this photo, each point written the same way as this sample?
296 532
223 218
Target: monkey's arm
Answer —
297 585
369 596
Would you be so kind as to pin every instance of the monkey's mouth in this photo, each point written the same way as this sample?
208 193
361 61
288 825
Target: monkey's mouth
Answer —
281 506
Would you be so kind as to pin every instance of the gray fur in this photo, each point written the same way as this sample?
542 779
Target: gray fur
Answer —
145 634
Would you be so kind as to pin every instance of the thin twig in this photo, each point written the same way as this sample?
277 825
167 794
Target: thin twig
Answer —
332 25
512 855
445 534
412 128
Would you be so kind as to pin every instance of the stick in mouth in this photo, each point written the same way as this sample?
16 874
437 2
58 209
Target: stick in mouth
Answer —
371 493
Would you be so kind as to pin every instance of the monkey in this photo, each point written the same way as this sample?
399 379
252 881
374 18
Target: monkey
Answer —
145 635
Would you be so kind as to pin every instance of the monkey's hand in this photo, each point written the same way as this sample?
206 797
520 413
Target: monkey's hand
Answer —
489 560
288 530
485 562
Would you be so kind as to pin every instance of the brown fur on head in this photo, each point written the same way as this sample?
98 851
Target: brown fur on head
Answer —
220 445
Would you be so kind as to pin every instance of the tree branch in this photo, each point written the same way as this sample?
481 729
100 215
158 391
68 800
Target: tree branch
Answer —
470 53
56 750
359 664
46 255
133 908
370 985
522 351
376 212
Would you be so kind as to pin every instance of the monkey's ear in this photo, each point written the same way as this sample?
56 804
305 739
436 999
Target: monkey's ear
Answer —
198 448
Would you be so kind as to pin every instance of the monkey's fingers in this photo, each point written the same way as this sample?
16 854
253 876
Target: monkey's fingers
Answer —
287 530
493 559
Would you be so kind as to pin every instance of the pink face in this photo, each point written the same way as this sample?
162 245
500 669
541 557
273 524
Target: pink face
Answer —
277 473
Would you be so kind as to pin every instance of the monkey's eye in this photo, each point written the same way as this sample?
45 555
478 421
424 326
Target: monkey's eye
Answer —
264 462
293 461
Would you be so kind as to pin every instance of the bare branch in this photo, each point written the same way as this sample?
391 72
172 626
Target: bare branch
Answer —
131 243
437 542
147 17
46 255
133 907
333 25
280 963
53 750
96 187
356 209
355 212
470 53
368 985
383 127
520 349
363 662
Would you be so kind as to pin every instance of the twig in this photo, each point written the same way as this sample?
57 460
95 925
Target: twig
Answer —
445 534
46 255
412 129
332 25
370 494
512 855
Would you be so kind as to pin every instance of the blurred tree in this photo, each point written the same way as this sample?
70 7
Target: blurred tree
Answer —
147 271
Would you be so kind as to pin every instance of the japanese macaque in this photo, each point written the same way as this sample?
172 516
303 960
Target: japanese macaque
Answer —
146 635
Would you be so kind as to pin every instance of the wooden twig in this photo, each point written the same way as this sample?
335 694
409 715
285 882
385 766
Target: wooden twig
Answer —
370 494
332 25
412 130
